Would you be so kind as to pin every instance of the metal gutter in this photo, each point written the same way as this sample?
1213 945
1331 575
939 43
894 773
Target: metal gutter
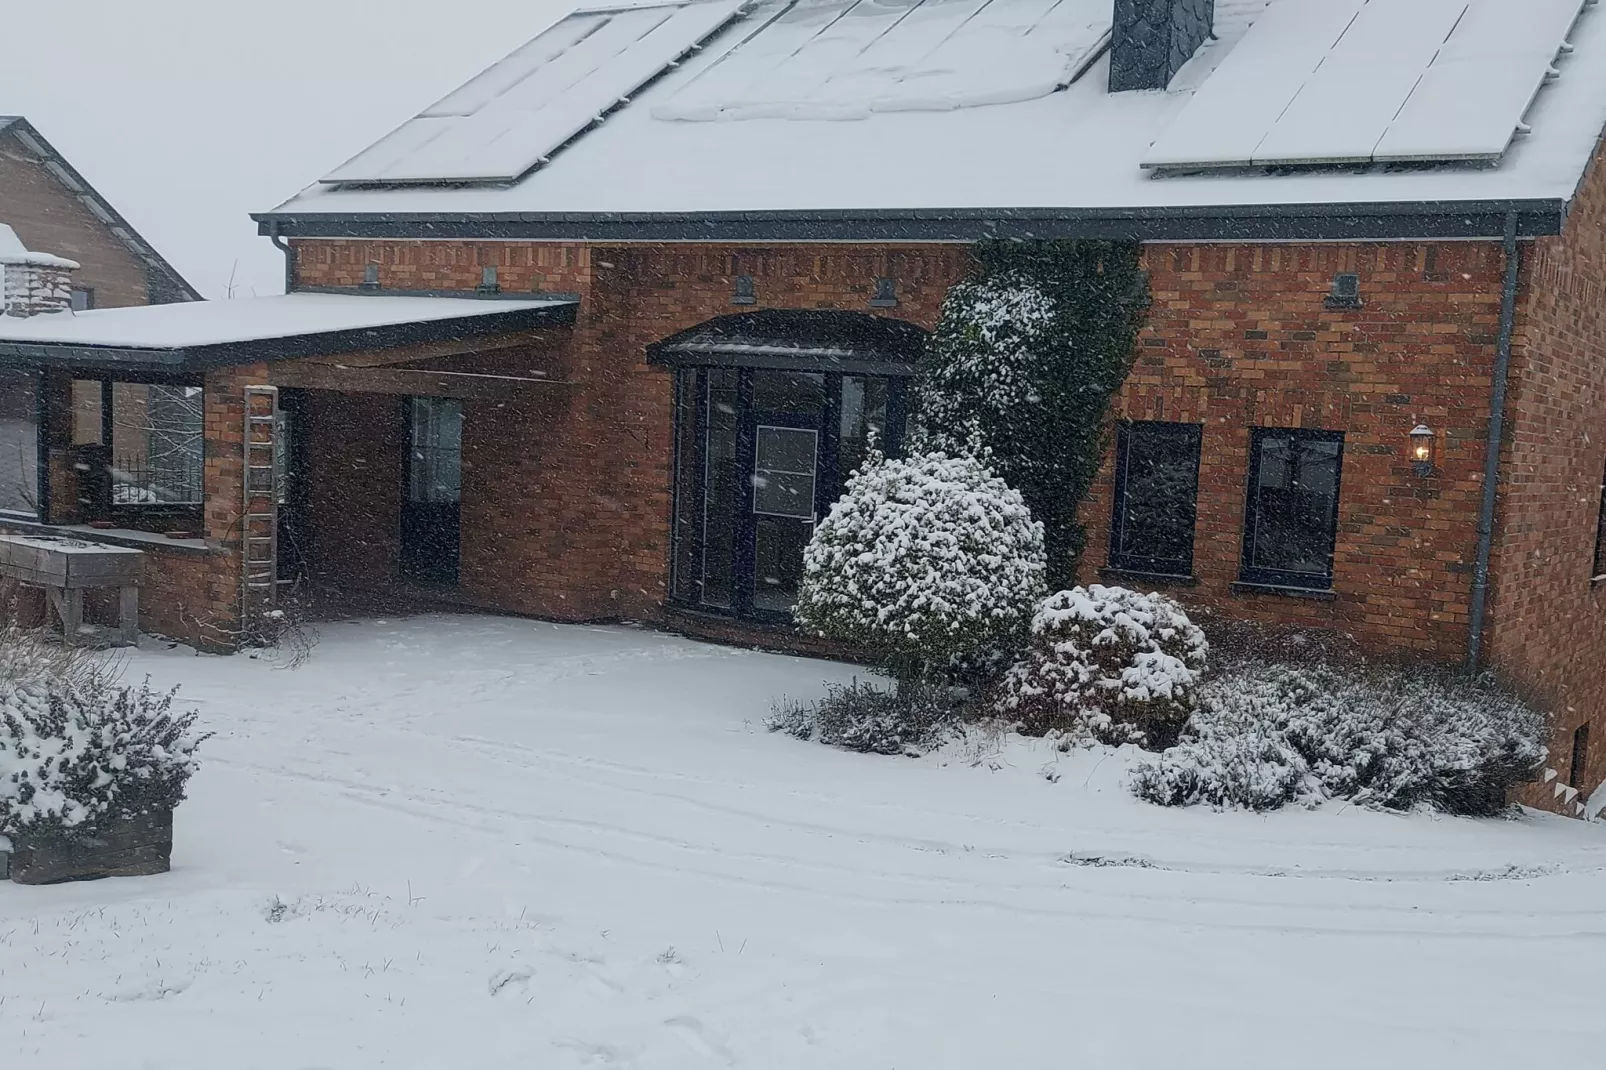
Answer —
1290 222
289 256
1491 460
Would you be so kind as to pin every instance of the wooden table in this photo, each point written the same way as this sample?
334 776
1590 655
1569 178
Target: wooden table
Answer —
65 568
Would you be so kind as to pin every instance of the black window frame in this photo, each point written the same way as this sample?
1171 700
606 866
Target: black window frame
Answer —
1259 576
1597 571
1122 561
1578 766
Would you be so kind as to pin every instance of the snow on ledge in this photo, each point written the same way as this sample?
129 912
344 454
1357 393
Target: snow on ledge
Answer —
202 323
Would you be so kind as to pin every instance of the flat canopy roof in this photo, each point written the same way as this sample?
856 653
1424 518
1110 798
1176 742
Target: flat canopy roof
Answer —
204 334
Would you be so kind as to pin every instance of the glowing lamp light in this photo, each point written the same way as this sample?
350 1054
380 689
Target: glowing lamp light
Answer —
1423 441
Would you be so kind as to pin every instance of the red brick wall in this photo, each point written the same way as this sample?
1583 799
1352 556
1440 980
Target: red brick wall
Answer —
575 522
1548 620
353 445
1239 337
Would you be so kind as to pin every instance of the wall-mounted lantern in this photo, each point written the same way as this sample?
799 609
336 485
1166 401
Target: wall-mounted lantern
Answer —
488 281
1423 441
886 294
746 293
370 277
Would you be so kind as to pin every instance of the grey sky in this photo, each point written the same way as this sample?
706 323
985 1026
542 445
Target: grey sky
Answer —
188 114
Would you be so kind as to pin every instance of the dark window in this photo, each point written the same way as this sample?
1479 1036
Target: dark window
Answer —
1580 763
1291 515
19 442
1156 491
1598 570
83 299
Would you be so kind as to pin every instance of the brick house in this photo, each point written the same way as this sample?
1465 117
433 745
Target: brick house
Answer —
681 254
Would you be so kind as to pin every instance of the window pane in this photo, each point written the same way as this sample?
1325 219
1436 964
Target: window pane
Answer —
796 392
1156 498
778 562
158 444
1599 568
720 481
88 424
436 471
864 415
19 442
686 548
783 477
1293 507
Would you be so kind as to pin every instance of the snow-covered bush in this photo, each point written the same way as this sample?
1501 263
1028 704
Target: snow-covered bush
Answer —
1255 770
1109 663
923 561
1391 739
76 751
861 718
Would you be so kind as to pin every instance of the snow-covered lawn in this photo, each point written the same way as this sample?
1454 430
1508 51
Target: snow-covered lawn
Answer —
460 842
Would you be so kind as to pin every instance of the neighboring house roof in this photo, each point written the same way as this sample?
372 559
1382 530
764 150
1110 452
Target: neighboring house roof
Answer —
959 119
282 326
165 283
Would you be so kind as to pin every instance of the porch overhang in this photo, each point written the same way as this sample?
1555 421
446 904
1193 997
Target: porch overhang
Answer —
195 337
855 343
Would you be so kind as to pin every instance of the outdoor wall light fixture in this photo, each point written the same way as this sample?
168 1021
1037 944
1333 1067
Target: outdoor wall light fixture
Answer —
1423 441
886 294
370 277
488 281
745 293
1346 292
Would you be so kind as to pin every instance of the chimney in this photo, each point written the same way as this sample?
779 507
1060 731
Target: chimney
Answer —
1152 39
31 283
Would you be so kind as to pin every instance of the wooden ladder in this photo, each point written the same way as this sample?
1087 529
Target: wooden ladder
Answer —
259 568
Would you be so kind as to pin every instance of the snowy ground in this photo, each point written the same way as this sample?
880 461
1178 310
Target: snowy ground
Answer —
467 842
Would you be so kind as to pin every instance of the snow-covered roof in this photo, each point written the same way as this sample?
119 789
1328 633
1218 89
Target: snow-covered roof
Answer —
166 283
835 112
265 328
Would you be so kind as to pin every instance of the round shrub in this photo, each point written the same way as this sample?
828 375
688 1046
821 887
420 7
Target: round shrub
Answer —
923 561
1120 666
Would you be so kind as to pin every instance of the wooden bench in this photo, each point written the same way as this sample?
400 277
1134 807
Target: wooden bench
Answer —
65 568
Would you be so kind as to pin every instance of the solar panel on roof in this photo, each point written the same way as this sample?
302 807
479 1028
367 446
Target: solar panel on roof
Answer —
1473 97
1229 115
847 59
508 119
1400 80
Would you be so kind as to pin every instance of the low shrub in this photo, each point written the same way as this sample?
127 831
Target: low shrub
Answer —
859 717
1109 663
1386 738
78 752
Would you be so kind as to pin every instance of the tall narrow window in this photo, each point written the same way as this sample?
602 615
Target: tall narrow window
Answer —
1291 515
1598 569
1156 493
1580 763
19 442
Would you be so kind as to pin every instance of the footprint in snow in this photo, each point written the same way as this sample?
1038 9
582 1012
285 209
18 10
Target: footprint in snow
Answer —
698 1039
518 975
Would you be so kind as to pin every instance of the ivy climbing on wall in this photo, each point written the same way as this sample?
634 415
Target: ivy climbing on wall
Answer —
1025 360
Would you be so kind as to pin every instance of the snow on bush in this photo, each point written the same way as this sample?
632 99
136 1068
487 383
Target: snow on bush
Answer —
923 561
1109 663
1390 739
77 752
980 377
862 718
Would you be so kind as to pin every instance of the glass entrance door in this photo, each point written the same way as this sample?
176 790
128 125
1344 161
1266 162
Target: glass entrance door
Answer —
760 456
431 514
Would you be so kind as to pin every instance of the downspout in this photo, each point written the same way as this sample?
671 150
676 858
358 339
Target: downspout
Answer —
289 256
1491 461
